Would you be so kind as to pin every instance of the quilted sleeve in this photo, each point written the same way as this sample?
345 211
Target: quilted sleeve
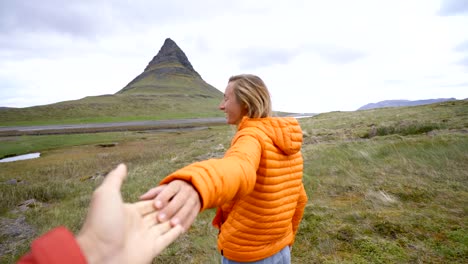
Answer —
221 180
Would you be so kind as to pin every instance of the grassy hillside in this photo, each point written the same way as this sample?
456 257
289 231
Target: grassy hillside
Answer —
384 185
168 88
167 102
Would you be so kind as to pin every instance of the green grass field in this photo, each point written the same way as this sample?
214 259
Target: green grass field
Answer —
172 96
113 108
384 185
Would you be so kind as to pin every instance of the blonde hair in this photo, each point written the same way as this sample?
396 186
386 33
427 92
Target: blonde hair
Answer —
252 92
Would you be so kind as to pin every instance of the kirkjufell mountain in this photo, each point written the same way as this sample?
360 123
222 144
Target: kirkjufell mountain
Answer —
170 72
168 88
170 60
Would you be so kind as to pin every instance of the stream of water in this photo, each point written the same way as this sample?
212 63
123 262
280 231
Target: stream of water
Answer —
22 157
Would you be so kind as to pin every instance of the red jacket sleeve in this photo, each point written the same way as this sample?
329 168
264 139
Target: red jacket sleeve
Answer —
57 246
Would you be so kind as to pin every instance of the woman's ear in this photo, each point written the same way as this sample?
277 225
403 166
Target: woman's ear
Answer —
245 109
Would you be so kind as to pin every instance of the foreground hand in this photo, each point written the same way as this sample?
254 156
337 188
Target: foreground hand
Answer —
177 201
115 232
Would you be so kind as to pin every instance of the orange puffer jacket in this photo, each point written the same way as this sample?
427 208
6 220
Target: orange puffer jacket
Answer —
257 187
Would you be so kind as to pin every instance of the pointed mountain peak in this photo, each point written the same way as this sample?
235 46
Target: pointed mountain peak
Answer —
170 73
171 56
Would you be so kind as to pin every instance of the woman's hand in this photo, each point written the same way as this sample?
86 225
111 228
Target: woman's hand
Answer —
177 201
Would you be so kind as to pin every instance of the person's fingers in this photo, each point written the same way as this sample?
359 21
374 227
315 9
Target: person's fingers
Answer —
185 200
150 219
109 190
165 239
151 193
189 202
187 214
189 219
167 194
159 229
115 178
144 207
171 200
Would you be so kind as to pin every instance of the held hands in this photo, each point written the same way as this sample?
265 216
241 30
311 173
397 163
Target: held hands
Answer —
115 232
178 201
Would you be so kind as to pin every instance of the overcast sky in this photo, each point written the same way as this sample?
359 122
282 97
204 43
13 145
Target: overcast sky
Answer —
314 55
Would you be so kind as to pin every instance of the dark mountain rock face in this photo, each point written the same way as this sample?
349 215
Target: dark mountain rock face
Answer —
170 53
168 68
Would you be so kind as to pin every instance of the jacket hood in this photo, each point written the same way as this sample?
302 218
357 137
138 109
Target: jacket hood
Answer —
285 132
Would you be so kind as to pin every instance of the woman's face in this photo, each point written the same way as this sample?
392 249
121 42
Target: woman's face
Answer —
233 109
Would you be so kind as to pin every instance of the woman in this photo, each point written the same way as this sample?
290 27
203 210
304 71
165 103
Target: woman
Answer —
257 186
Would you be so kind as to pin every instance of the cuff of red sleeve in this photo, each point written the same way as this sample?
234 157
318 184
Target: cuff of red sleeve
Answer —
57 246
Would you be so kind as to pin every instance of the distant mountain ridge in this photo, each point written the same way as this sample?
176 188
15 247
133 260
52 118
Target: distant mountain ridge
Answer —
400 103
